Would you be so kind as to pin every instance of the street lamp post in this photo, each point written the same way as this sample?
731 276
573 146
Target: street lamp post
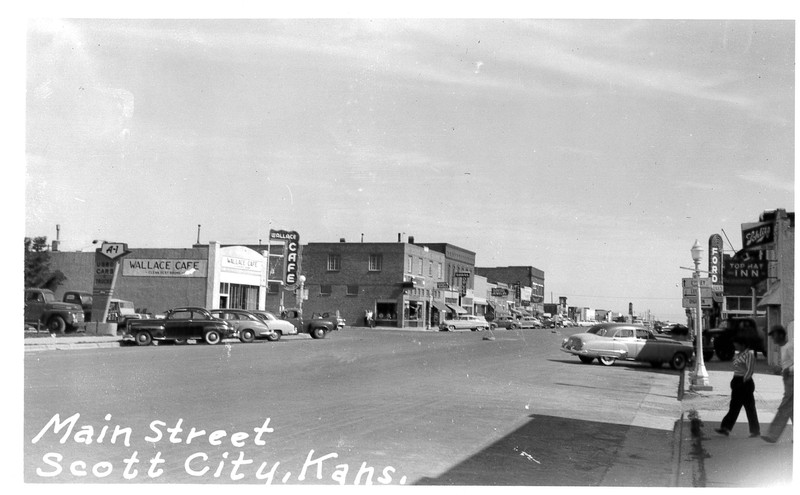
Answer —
700 378
302 280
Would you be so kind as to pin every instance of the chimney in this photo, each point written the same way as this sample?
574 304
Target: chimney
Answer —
399 237
58 237
411 239
341 239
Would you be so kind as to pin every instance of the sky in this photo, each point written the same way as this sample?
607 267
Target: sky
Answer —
595 150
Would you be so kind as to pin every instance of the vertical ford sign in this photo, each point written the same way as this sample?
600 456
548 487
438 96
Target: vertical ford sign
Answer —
292 240
715 259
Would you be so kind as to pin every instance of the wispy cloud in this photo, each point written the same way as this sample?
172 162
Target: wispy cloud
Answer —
767 179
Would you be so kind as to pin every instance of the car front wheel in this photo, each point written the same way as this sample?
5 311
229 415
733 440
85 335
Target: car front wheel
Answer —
452 328
318 333
212 337
274 336
57 324
606 361
143 338
678 361
247 336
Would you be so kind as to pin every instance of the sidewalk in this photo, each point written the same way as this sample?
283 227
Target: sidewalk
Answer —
44 342
738 460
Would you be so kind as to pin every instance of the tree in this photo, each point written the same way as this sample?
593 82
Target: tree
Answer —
37 265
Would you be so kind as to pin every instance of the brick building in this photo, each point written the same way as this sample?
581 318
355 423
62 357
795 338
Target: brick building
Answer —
399 282
525 276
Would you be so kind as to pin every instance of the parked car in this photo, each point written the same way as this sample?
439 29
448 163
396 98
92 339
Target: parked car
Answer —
608 342
318 327
527 322
280 327
465 322
719 340
502 322
548 322
333 315
248 326
180 325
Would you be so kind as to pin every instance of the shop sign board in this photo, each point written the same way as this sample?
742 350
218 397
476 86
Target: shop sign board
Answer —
165 267
756 236
442 285
745 268
291 265
462 274
715 259
499 292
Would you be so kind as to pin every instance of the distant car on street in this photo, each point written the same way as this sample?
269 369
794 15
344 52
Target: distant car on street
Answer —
608 342
528 322
465 322
248 326
506 322
279 326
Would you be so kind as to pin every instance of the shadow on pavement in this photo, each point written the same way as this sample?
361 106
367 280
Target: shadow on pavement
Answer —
555 451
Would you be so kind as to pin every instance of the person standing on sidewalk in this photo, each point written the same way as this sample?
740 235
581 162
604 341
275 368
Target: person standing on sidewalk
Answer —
786 409
742 388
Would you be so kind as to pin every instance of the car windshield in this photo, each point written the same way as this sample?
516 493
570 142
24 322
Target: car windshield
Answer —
601 331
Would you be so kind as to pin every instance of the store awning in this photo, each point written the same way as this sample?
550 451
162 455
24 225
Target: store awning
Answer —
457 309
773 297
439 306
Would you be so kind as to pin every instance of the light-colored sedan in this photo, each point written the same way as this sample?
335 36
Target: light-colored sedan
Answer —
281 327
465 322
248 327
608 342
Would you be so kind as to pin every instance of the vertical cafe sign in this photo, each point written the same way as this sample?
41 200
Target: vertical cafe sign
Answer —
291 241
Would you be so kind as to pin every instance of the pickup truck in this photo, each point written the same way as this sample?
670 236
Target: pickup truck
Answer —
180 325
120 311
719 340
317 326
84 299
42 309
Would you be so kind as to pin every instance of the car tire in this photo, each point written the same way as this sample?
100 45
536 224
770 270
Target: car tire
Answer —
586 359
678 361
56 324
274 337
144 338
451 328
606 361
179 341
212 337
247 336
318 333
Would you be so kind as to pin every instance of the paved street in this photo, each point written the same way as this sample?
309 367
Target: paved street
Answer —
386 406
